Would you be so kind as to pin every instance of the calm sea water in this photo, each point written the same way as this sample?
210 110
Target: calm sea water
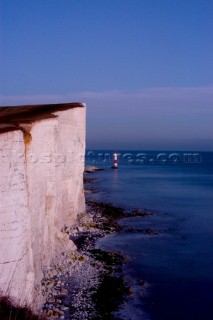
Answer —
176 262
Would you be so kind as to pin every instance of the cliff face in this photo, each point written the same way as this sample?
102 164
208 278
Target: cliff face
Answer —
41 191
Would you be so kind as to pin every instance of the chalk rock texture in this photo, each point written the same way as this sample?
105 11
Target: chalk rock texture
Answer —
42 152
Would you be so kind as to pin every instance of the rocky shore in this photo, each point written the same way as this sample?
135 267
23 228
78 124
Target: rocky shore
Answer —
88 283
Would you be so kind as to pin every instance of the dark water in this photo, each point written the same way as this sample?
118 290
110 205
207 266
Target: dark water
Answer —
176 261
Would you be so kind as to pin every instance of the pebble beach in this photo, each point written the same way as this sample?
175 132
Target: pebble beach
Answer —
87 283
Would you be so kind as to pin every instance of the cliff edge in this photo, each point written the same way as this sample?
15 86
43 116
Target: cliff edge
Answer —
42 151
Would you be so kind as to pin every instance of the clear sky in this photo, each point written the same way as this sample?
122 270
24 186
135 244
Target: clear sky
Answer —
144 67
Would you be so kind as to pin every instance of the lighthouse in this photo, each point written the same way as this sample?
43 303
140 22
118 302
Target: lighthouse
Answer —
115 161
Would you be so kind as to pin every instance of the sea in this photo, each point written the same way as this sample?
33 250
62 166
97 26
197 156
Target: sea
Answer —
169 268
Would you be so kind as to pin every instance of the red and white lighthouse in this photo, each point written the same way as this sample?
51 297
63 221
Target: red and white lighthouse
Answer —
115 161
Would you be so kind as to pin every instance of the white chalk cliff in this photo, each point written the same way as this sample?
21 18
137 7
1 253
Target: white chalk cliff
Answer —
42 152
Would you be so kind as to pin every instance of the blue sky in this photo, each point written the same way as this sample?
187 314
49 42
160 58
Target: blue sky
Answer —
144 67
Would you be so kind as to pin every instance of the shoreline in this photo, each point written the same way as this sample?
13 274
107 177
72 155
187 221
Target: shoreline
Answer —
89 283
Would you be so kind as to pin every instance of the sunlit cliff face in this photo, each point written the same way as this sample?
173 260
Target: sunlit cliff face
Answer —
41 191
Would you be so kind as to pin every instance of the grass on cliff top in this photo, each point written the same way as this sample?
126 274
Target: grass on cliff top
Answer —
9 310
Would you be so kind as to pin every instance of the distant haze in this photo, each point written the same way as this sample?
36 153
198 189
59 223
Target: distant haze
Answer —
144 68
